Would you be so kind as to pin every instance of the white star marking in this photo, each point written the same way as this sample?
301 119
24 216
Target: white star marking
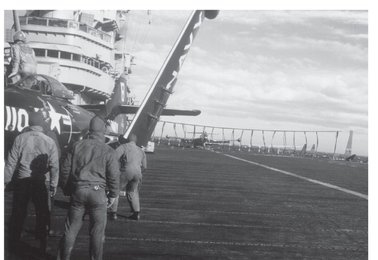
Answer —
55 118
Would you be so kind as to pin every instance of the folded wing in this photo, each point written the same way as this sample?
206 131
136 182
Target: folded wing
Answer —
128 109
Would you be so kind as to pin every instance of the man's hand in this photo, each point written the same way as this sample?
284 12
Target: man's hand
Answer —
52 191
110 202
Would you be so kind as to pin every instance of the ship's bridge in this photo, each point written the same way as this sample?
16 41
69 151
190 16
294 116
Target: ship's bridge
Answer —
77 71
75 53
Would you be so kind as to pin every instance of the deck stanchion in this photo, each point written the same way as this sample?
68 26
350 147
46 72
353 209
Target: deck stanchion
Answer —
223 139
176 136
162 131
250 142
241 139
232 139
184 130
263 137
271 142
194 135
334 149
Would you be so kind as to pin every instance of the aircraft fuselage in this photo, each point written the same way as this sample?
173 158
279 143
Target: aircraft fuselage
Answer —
67 121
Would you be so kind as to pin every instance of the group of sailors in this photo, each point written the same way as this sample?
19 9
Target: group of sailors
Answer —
92 173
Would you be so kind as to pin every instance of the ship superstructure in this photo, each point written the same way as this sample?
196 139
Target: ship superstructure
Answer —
78 48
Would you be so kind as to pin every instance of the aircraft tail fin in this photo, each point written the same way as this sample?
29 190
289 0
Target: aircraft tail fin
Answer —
313 149
117 98
304 149
348 149
147 116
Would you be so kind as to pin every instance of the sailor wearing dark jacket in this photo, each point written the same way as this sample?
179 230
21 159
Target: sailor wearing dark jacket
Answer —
90 173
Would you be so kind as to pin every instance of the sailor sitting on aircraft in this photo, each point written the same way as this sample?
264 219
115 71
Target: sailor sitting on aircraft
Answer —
23 57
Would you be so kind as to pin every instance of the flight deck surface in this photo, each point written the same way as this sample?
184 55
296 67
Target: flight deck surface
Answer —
199 204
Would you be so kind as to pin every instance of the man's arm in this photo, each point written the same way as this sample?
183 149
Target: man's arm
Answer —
112 174
15 59
120 151
52 135
54 168
12 161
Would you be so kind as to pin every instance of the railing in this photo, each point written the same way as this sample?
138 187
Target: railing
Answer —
99 64
275 141
70 24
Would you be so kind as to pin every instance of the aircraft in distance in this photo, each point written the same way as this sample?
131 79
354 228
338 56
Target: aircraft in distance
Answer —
348 156
202 141
68 123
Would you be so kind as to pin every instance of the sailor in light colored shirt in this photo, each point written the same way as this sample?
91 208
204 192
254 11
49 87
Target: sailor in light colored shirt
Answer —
133 164
33 168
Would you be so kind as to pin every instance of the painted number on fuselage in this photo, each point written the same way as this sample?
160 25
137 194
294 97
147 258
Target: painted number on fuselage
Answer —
16 119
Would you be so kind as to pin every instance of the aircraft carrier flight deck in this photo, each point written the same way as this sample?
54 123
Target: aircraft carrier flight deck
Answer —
200 204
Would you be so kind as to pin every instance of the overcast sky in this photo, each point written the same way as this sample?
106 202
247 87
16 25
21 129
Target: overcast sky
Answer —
305 70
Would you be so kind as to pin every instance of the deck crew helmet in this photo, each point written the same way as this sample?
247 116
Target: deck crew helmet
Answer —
19 36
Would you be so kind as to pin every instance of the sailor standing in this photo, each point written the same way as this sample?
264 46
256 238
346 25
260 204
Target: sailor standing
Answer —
88 172
33 167
133 164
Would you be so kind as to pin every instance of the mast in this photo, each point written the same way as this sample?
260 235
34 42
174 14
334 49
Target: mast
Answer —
16 21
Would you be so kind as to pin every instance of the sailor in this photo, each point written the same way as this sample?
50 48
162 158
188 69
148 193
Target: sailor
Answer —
133 163
47 131
33 167
88 171
23 57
